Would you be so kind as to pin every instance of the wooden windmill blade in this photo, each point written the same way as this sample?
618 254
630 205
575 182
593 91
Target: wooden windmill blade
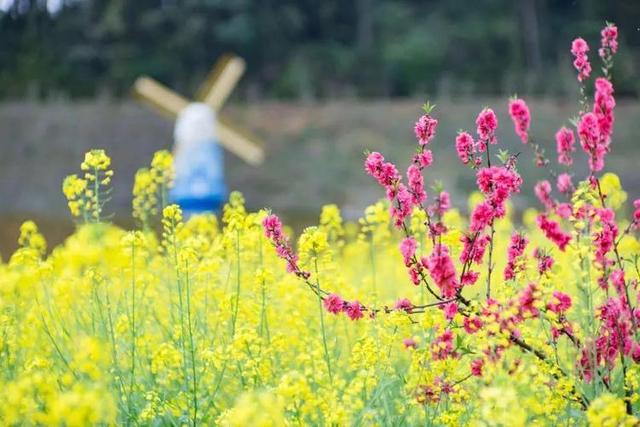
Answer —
239 143
159 97
221 80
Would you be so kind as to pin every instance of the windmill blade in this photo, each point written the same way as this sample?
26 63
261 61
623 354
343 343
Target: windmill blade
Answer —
158 96
239 143
221 80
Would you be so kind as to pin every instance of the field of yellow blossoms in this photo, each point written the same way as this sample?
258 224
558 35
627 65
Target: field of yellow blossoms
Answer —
419 313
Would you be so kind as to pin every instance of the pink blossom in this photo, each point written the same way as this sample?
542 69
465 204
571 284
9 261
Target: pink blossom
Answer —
409 343
545 262
472 324
564 210
498 183
400 208
425 129
384 172
403 304
636 212
408 250
542 191
486 123
564 184
553 232
579 46
414 274
591 141
441 205
527 301
416 185
474 248
469 277
565 146
442 346
442 270
560 303
476 367
464 147
481 217
515 250
617 279
635 352
519 112
608 41
603 106
579 49
450 310
615 338
333 304
272 227
354 310
423 159
604 239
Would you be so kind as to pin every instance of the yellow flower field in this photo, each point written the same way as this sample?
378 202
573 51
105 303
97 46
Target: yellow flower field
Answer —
201 324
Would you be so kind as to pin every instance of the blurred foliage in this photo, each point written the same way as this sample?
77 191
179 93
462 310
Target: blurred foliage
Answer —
309 49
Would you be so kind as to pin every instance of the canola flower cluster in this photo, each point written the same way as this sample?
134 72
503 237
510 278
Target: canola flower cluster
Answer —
416 314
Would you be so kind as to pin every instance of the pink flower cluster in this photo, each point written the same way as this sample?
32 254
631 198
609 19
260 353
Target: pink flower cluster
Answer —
615 338
416 185
519 112
474 248
442 270
595 127
515 250
545 261
465 147
442 347
542 191
497 183
560 303
404 198
608 41
486 126
414 267
553 232
636 213
425 129
387 175
441 204
604 239
334 304
579 49
272 227
565 145
384 172
403 304
564 184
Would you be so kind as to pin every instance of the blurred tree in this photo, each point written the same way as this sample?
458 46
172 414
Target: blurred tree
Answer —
308 49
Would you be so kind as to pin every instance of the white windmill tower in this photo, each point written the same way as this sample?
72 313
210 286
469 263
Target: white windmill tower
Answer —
198 134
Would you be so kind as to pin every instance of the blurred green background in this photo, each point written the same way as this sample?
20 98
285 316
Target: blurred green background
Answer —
326 80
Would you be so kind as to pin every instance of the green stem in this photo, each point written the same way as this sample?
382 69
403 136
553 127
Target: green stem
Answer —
133 321
192 347
238 271
322 327
180 302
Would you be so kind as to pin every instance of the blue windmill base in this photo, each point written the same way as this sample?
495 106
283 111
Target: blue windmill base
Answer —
199 184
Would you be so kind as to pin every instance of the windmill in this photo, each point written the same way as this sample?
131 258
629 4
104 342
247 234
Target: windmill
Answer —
199 133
